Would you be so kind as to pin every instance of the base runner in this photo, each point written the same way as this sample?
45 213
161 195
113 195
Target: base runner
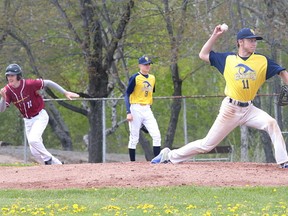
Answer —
24 94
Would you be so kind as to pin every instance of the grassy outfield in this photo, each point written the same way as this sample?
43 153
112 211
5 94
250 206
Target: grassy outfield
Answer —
184 200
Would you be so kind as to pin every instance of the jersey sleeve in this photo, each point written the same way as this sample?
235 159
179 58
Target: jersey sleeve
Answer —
2 105
51 84
129 90
218 60
273 68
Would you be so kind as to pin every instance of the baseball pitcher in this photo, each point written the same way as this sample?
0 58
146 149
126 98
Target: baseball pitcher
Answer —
244 73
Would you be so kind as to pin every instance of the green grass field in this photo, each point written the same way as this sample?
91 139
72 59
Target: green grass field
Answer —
184 200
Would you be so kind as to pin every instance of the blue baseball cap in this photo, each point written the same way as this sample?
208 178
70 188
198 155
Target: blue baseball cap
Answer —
144 60
247 33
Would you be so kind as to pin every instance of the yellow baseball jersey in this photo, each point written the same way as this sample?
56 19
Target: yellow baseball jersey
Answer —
140 90
244 76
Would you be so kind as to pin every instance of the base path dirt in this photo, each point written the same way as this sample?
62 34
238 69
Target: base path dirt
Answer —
142 174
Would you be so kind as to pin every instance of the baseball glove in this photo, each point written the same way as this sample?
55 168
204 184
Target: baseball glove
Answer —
144 129
283 96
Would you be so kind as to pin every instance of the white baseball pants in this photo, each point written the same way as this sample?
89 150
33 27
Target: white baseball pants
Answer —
142 114
230 116
34 129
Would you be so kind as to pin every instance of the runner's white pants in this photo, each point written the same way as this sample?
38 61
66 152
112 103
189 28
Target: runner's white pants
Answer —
230 116
34 129
142 114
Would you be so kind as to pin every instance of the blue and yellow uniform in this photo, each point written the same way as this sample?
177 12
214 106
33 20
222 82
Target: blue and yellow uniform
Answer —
244 76
138 99
140 90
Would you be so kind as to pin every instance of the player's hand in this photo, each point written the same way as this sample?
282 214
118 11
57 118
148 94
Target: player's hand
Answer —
218 31
71 95
3 93
129 117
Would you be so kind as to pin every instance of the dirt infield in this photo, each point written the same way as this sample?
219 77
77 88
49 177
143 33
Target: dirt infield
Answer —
119 172
142 174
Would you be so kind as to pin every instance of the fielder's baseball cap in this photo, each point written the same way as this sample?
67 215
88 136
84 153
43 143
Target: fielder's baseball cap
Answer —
247 33
144 60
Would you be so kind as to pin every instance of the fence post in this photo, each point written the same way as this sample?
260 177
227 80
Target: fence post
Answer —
184 121
25 143
104 131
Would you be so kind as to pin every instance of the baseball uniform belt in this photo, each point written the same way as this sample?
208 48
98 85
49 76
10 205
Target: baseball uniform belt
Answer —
142 104
238 103
32 116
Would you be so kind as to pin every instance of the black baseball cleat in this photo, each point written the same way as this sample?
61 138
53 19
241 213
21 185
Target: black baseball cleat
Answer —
49 162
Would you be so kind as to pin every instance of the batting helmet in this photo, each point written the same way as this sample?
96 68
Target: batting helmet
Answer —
14 69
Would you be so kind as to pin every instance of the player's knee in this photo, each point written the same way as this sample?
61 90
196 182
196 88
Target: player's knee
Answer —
33 141
272 123
36 154
205 148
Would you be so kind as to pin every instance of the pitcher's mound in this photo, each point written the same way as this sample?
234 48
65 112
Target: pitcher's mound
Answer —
142 174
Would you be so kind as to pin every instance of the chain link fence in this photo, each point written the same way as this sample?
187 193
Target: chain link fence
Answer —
195 119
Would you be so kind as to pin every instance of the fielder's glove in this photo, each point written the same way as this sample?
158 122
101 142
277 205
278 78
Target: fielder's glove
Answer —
144 129
283 96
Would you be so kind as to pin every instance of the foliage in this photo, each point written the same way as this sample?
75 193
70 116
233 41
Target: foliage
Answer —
60 58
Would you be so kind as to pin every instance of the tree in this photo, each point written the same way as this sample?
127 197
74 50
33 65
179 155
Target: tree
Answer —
175 37
98 53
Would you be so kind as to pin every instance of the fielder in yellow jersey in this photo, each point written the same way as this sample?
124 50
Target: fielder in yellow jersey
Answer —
143 89
138 100
244 73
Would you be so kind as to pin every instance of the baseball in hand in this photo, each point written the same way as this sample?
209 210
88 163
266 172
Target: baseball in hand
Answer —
224 27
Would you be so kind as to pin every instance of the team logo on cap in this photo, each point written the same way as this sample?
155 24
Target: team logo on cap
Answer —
146 58
253 32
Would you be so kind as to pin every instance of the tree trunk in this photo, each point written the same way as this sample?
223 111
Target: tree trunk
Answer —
175 41
59 127
99 58
265 139
146 147
95 146
174 116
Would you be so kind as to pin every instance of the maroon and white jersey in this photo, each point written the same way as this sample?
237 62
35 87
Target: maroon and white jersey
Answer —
26 97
